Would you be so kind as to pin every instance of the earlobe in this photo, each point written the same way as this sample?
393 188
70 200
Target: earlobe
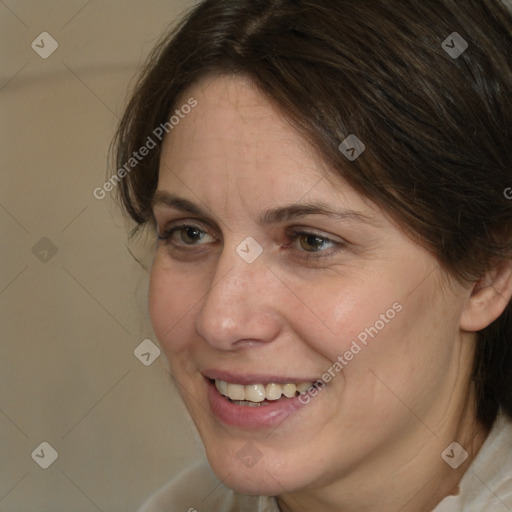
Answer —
489 297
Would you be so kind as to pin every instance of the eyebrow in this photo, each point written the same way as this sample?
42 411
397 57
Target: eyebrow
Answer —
163 198
296 211
273 216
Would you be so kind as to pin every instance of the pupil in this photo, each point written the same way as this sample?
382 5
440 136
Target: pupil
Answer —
314 241
192 234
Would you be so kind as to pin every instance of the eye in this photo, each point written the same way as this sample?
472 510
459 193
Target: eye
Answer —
311 242
191 235
185 234
307 244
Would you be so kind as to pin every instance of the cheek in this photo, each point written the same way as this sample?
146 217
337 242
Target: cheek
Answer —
376 326
170 307
334 322
404 362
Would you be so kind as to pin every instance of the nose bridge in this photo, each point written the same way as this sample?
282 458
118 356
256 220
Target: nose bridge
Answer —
237 306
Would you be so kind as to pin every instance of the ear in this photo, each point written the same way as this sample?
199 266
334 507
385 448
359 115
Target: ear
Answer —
489 297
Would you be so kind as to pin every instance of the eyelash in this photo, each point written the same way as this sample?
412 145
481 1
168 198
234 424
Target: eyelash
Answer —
167 233
293 236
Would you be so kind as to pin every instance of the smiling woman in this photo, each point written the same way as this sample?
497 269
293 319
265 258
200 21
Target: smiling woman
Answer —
340 179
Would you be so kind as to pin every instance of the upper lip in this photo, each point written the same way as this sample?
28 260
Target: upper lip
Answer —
253 378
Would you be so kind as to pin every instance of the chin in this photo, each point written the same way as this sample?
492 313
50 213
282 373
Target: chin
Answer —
252 482
261 479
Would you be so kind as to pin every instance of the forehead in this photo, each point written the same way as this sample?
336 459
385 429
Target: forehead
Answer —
236 143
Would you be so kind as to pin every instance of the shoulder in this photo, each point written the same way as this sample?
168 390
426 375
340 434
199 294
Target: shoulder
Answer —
197 489
492 472
487 484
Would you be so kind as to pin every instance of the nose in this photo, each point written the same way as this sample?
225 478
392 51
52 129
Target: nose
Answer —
239 308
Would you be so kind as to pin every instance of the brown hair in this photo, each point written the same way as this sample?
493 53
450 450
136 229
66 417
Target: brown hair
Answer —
437 125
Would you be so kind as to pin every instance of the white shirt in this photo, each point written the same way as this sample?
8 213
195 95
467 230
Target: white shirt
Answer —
486 485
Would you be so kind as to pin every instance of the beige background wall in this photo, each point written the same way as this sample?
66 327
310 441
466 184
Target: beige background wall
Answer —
71 320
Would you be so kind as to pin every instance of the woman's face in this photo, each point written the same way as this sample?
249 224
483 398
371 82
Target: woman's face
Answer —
275 271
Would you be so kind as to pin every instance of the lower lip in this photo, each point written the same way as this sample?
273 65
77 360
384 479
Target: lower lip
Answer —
251 417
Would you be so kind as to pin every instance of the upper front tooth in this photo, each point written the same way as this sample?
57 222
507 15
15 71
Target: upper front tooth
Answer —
273 391
259 392
236 391
255 392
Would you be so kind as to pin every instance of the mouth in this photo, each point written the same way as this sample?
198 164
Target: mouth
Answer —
254 402
257 395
